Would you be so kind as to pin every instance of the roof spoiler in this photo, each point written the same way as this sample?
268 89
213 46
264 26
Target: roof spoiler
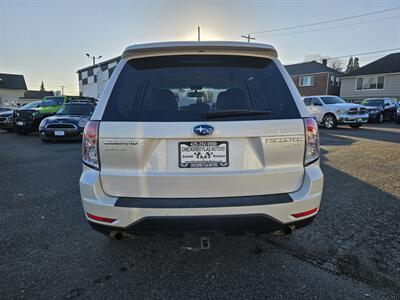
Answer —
170 48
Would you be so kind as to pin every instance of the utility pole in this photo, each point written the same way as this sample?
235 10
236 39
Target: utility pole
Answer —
248 37
93 58
62 90
198 33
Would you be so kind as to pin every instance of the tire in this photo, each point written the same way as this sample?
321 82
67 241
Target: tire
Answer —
380 119
329 121
355 126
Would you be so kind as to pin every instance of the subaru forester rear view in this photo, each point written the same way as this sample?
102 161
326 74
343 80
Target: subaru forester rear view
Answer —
200 136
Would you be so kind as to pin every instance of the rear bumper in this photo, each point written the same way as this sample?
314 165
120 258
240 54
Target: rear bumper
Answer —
236 224
265 213
26 125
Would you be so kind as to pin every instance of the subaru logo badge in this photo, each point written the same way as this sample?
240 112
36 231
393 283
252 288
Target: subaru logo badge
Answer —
203 129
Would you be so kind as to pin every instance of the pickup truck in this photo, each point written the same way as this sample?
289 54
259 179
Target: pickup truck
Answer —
330 111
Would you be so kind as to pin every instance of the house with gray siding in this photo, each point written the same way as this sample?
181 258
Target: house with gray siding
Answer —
380 78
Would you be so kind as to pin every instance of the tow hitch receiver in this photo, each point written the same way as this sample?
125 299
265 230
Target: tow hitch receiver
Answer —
205 243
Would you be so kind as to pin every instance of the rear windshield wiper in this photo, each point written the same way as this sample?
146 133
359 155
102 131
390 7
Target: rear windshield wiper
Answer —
234 112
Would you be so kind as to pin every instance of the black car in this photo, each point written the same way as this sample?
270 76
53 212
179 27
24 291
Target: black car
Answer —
7 117
380 109
397 116
70 120
3 109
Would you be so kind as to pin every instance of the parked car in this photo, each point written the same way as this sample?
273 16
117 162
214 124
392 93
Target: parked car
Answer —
69 121
397 116
330 111
244 157
6 118
380 109
28 120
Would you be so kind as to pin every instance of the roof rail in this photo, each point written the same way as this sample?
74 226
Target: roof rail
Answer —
77 99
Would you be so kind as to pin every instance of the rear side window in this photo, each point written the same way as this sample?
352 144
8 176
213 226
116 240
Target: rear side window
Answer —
188 87
307 101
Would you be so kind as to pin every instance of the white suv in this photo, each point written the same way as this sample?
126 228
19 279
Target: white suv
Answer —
209 136
330 111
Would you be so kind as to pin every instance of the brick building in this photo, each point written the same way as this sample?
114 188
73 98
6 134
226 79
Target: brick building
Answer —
314 78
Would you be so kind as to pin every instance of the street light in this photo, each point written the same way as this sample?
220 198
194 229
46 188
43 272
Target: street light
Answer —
93 57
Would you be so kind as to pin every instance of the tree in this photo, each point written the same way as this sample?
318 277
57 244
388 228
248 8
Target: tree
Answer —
314 57
352 65
333 63
356 63
42 87
336 64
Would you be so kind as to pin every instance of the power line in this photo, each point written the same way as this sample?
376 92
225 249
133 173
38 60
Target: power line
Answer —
357 54
338 26
326 22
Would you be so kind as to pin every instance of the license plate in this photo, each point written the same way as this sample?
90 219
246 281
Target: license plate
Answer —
20 123
59 133
359 120
203 154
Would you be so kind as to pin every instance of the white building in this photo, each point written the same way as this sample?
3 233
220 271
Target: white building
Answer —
93 79
12 87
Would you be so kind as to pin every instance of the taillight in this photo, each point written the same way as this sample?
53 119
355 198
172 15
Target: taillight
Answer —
90 153
312 141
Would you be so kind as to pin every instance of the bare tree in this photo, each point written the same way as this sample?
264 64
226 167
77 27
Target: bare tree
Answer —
313 57
334 63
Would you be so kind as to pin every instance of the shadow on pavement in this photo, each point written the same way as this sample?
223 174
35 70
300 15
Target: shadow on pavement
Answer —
355 233
385 134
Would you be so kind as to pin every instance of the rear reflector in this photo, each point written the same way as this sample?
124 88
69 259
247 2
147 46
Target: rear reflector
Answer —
101 219
305 213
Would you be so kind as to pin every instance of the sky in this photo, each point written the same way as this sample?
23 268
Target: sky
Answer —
47 40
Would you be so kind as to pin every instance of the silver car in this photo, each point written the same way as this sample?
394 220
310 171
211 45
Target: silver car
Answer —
200 136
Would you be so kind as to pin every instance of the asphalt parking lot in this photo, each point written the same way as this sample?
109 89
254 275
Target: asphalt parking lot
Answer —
350 251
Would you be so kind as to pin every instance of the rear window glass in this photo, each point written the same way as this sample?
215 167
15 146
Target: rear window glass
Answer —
76 109
193 87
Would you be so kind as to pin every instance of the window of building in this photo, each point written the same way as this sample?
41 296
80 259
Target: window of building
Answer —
370 83
306 80
332 80
90 72
337 83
